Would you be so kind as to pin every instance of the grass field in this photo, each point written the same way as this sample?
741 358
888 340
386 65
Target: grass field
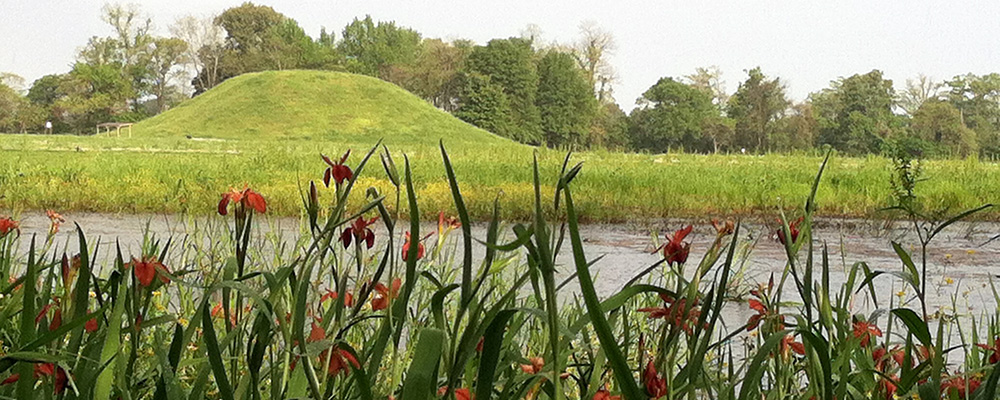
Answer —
268 129
179 175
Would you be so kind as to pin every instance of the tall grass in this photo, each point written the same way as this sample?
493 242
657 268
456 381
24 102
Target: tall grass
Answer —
163 175
229 313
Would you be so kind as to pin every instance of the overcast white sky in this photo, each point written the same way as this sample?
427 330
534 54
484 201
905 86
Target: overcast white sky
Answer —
807 43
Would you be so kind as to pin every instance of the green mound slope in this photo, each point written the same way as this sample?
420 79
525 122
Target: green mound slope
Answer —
317 105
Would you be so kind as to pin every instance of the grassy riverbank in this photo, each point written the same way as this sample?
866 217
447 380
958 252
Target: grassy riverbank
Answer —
172 175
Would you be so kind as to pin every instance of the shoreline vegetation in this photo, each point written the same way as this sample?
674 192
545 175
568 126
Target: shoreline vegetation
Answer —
337 316
179 175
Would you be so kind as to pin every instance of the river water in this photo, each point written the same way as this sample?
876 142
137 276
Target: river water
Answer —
962 260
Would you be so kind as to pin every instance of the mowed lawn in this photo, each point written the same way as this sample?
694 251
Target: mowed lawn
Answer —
174 175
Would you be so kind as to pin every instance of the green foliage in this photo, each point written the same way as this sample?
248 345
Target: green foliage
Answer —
940 123
93 94
164 56
253 316
510 64
371 49
855 114
565 100
977 99
258 38
484 104
434 75
609 128
18 113
796 130
756 107
671 115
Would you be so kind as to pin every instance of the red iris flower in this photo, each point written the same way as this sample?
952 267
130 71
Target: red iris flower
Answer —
54 221
537 363
882 359
56 320
793 230
447 224
889 388
656 386
247 198
420 247
957 385
8 225
383 294
316 333
723 228
864 330
676 250
360 231
218 312
788 345
43 370
146 269
43 312
993 350
676 313
91 325
604 394
337 170
460 393
759 305
341 361
331 295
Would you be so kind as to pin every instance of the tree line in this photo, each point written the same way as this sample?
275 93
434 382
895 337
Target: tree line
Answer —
553 94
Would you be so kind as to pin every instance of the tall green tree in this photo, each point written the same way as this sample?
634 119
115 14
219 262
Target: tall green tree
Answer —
44 93
93 94
17 113
510 64
940 123
565 100
609 128
165 54
258 38
756 107
671 115
977 98
371 49
797 130
855 113
483 104
433 75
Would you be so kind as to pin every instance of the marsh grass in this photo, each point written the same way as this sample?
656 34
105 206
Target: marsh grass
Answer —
168 175
227 313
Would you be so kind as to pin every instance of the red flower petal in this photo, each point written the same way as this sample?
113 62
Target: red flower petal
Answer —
256 201
10 379
316 334
224 204
144 272
346 237
327 160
